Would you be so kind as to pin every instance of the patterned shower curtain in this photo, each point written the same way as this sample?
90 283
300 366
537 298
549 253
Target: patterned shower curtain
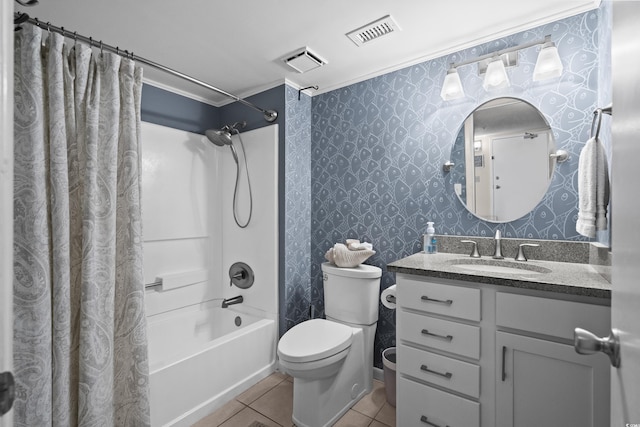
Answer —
80 347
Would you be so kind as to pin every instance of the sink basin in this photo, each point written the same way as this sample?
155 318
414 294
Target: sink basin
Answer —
499 266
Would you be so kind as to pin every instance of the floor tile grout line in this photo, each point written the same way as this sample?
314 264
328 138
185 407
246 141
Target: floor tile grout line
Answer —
262 394
267 417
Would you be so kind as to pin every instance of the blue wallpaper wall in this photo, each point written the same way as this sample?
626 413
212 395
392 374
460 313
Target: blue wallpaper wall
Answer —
295 295
378 147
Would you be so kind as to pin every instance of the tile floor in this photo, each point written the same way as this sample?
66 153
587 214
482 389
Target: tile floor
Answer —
269 403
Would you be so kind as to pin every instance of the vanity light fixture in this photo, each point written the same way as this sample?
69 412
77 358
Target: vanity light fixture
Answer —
452 86
496 75
548 65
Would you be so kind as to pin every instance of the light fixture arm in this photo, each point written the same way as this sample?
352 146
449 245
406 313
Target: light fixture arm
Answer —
546 39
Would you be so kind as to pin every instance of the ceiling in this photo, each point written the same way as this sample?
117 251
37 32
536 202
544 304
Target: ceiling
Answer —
238 45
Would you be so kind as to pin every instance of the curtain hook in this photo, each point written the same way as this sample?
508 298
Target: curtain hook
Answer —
117 50
101 51
49 28
75 38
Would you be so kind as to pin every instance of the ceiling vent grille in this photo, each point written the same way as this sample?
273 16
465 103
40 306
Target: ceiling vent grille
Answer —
374 30
304 60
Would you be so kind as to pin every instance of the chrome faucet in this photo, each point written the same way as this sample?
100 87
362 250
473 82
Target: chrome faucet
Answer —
521 256
231 301
497 254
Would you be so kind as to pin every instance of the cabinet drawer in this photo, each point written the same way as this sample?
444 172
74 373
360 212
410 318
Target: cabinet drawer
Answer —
441 334
450 373
419 405
447 300
550 316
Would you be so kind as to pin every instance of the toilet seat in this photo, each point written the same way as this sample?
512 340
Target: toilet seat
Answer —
313 340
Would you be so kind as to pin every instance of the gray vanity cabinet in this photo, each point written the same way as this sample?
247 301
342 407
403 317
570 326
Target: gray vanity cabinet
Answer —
541 379
481 355
438 352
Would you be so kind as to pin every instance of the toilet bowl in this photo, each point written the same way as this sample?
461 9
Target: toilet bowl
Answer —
331 360
314 349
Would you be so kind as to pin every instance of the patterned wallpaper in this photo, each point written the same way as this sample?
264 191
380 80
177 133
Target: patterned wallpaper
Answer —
378 147
297 229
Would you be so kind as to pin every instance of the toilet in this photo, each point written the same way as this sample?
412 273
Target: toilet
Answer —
331 359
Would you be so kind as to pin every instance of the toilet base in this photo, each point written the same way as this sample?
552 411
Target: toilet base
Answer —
321 403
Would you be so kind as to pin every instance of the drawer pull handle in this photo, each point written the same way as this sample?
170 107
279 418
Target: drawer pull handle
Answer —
427 422
427 299
444 337
425 368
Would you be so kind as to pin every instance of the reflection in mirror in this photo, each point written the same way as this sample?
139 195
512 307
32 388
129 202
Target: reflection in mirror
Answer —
502 160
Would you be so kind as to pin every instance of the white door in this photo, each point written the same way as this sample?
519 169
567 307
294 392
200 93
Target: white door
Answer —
6 193
625 304
520 174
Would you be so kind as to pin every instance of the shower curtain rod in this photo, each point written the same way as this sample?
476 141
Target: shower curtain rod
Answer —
18 17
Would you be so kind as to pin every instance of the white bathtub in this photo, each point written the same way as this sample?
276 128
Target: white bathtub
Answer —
199 359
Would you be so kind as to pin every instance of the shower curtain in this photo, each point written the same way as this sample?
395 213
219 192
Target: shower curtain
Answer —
80 348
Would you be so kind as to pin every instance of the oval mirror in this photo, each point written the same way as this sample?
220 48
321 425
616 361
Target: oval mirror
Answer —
502 160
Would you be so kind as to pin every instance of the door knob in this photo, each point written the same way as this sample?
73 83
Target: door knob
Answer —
585 342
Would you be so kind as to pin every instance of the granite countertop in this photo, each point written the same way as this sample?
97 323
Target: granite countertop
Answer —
564 277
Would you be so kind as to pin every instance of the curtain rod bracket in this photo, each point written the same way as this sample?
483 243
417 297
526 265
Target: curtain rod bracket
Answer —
314 87
271 115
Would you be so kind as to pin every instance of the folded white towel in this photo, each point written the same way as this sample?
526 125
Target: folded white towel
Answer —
593 189
357 246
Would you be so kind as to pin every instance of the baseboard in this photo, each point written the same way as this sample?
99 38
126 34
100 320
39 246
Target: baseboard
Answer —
378 374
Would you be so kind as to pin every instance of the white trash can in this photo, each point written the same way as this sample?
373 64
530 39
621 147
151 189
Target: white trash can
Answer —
389 368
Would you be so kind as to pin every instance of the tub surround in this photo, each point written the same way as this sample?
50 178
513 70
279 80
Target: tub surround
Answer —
573 276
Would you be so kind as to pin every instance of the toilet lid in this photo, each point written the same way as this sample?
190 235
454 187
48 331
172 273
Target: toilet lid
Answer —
314 340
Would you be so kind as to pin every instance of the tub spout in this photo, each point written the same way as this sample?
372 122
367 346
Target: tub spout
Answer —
231 301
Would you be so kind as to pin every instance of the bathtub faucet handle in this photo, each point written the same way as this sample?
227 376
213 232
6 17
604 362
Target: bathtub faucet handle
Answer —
238 276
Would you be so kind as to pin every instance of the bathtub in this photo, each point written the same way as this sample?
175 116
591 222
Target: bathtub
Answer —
202 356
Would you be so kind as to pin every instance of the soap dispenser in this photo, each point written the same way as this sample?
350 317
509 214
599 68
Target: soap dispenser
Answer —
430 243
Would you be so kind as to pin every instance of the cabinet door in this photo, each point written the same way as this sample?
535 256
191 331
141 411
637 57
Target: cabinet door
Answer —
544 383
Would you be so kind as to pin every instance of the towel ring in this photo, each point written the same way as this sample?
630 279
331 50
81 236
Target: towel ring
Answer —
597 122
597 115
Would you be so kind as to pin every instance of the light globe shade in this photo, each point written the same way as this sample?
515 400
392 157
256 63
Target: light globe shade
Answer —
496 76
452 86
548 64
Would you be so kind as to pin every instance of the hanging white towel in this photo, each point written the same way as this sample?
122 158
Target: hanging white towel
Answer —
593 189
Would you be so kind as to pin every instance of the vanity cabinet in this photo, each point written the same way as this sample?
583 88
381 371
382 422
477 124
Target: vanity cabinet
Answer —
483 355
541 379
438 353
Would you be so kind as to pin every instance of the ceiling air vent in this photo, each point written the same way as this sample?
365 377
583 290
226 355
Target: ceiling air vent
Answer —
374 30
304 60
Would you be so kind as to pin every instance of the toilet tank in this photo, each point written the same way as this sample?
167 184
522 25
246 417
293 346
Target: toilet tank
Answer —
351 294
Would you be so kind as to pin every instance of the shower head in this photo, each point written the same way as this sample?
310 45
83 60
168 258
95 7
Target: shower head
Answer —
222 137
219 137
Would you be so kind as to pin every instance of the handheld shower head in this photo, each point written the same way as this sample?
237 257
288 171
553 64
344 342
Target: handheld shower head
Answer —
222 137
219 137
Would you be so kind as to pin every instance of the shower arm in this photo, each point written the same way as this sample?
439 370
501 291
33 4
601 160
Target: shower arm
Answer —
269 115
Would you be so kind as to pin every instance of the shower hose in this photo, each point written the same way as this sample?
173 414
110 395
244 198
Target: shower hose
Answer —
235 191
